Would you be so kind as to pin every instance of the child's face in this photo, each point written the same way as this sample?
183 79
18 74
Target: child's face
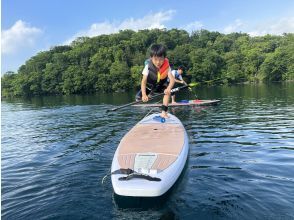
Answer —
180 71
157 61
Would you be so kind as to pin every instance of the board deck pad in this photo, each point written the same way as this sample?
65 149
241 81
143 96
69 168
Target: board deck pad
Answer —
144 162
160 138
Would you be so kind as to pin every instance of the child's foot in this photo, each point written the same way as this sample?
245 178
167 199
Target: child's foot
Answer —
164 115
174 103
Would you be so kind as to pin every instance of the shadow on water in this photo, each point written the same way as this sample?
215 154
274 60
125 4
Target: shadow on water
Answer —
141 203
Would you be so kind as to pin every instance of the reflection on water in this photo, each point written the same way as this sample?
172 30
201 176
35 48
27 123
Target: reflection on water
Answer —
56 150
140 203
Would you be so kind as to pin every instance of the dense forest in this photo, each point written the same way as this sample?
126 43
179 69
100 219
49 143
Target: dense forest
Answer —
113 63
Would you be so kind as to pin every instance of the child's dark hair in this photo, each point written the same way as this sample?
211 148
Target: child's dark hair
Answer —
157 50
181 68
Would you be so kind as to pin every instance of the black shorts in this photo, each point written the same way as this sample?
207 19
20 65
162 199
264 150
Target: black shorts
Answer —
159 88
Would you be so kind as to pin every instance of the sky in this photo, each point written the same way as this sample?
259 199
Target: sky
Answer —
31 26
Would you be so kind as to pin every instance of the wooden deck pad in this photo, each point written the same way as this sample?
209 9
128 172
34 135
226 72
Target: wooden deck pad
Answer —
166 140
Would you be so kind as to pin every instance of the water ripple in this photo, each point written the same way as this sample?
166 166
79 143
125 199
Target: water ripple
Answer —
240 163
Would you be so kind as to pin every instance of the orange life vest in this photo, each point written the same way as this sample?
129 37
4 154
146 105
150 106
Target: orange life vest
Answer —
156 76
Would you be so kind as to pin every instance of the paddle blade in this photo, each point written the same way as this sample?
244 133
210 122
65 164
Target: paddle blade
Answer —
193 84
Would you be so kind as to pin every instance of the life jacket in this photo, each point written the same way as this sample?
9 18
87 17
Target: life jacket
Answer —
156 76
177 75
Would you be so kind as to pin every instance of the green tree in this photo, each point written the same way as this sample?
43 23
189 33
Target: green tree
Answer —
234 69
274 66
136 74
120 76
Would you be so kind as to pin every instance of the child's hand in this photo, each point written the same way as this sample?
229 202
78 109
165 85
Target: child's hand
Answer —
145 98
167 91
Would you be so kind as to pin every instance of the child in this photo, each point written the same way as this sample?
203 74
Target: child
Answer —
155 77
177 74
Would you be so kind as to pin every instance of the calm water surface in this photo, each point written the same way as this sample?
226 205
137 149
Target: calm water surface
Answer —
56 150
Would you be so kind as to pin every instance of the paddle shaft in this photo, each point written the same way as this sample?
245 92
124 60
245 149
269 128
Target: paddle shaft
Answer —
140 101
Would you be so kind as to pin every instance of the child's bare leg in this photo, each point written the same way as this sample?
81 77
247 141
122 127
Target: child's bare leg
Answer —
173 99
165 103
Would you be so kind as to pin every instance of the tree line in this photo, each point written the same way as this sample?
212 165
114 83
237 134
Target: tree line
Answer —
113 63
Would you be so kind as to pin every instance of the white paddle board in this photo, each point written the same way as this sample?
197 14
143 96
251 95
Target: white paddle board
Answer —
150 157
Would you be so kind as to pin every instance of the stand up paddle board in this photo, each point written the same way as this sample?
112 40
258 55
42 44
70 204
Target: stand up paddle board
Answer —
150 157
182 103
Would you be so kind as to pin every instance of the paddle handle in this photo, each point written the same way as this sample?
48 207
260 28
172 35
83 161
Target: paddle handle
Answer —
132 103
123 106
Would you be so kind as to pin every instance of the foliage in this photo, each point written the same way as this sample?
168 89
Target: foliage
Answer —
113 63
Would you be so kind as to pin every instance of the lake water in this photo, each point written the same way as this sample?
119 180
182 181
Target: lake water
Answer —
56 150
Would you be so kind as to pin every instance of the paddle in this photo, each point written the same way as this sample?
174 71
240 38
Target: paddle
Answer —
157 95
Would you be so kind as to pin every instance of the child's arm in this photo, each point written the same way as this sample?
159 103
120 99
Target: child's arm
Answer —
171 83
179 81
143 88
